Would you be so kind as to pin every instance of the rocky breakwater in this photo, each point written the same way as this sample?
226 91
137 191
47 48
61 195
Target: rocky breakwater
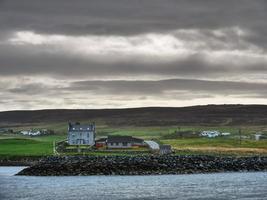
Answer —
19 161
142 165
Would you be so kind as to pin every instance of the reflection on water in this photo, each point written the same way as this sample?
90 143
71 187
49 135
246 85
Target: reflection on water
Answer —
244 186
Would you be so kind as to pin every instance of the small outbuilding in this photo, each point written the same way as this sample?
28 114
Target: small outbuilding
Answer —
165 149
258 136
101 142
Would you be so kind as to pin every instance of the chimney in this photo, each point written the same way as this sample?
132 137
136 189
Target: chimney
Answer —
70 125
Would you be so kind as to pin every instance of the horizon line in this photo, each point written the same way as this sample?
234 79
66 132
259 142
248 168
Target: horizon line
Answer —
125 108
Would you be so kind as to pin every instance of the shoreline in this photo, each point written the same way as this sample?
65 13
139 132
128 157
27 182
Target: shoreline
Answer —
19 161
143 165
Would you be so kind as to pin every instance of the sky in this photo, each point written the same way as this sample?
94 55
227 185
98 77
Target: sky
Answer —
86 54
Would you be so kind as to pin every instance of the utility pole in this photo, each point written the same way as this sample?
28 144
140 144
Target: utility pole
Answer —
240 138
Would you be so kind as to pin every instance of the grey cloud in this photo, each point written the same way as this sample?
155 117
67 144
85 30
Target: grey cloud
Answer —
162 86
132 18
124 17
84 94
129 16
30 89
144 88
33 61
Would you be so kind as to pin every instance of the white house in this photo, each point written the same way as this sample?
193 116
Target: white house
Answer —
210 134
31 133
225 134
81 134
34 132
24 132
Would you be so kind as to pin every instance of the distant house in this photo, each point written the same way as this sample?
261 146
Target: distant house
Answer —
122 142
24 132
81 134
31 133
225 134
3 130
210 134
34 132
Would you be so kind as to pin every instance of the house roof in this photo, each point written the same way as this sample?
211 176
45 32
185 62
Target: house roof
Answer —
79 127
121 139
101 140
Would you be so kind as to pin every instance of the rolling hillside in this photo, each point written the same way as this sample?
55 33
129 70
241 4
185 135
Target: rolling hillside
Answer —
150 116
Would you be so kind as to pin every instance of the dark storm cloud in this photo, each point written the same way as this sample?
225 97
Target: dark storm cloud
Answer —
130 16
21 60
125 39
26 61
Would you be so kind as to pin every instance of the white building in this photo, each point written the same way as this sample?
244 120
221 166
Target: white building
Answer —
225 134
210 134
34 132
258 136
81 134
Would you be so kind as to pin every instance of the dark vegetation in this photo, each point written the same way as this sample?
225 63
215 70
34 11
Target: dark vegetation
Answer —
151 116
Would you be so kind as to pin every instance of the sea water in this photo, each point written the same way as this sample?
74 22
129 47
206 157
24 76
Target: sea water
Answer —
241 186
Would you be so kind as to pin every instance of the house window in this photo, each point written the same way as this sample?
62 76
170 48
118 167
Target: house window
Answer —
117 143
124 144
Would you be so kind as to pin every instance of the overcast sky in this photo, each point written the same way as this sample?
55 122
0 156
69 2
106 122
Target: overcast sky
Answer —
131 53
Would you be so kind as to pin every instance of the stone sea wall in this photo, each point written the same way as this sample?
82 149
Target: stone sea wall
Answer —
142 165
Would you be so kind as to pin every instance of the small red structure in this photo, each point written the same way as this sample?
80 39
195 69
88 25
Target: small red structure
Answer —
100 143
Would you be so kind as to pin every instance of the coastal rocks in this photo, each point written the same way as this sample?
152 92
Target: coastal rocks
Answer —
24 161
142 165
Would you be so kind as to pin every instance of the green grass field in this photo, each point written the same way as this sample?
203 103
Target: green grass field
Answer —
25 147
216 142
17 145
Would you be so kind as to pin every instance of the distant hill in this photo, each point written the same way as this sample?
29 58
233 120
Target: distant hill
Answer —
149 116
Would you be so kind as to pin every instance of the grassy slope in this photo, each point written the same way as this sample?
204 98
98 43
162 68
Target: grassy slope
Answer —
153 116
